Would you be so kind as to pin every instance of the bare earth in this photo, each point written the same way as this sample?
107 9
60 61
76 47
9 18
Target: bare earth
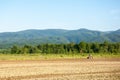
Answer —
61 69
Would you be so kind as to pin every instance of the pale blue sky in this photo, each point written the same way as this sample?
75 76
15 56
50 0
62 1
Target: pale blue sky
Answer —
16 15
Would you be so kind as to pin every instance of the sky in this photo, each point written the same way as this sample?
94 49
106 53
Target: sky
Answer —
17 15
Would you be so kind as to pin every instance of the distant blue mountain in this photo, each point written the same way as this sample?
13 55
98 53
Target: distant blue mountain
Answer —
34 37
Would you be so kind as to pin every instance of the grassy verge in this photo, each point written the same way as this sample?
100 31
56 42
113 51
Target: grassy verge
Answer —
38 56
106 55
54 56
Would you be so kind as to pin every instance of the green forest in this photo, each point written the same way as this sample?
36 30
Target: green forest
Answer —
82 47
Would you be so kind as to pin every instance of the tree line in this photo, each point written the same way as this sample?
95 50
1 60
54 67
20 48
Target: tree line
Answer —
82 47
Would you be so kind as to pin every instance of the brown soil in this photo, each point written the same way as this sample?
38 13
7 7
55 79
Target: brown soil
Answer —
61 69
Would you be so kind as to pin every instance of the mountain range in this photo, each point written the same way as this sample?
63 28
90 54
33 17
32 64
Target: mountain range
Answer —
34 36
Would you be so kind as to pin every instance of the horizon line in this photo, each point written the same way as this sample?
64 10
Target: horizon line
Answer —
57 29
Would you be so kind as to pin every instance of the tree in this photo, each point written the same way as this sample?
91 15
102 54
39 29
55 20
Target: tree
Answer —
14 49
82 47
89 48
95 47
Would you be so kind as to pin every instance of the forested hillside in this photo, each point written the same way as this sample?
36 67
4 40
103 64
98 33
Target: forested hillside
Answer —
56 36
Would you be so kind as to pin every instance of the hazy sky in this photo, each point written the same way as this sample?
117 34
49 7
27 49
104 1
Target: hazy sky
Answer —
16 15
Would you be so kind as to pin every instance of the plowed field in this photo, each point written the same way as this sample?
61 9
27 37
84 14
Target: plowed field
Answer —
61 69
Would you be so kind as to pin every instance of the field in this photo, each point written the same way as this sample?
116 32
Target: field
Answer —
37 56
61 69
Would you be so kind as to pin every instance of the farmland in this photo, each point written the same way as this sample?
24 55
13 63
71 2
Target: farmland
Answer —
61 69
59 39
